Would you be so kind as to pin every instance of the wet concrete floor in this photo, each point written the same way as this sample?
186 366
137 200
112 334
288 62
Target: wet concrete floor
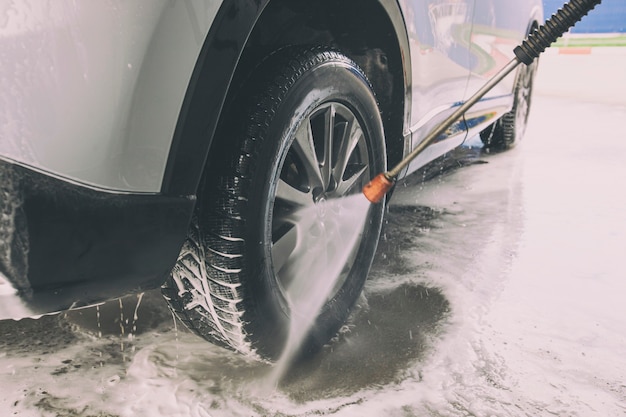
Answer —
496 291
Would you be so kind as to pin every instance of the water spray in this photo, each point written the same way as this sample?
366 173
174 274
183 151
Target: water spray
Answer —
526 53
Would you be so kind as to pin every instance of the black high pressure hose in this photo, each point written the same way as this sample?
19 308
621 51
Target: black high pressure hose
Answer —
531 48
554 28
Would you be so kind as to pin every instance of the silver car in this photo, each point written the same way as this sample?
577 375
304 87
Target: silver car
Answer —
171 143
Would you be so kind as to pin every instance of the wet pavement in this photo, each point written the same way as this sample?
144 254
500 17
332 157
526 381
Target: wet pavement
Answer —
497 290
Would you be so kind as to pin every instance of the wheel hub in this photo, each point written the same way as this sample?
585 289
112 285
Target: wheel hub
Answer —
321 207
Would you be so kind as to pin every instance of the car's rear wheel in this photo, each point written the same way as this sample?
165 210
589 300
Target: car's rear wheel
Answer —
307 132
509 130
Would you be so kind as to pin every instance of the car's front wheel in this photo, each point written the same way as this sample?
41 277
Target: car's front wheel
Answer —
306 133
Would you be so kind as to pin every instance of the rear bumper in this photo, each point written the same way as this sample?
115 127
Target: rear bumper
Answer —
63 245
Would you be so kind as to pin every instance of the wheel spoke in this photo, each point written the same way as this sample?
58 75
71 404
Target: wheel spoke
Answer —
291 254
327 162
351 136
304 148
291 195
345 186
283 248
317 250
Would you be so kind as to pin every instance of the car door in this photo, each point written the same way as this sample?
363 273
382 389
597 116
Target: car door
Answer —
498 27
439 34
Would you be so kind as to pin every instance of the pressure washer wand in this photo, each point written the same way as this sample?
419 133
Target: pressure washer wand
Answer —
531 48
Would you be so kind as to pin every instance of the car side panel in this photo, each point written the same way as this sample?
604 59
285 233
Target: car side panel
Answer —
91 91
456 45
499 26
66 242
439 33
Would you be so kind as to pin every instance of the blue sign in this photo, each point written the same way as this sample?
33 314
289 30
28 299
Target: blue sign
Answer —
608 17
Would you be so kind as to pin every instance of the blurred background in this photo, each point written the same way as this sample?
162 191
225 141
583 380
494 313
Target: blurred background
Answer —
497 289
610 17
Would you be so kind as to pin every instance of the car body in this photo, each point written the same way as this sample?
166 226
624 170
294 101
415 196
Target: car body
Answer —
110 111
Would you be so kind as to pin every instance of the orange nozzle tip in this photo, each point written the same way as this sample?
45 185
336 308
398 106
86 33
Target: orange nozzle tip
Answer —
376 189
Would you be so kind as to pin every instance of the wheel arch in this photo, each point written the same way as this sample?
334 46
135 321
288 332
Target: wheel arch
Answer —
244 32
536 18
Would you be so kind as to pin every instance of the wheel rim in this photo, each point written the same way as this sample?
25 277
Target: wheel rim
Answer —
328 159
524 91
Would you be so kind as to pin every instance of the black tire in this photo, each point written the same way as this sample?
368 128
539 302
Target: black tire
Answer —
225 286
509 130
13 232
